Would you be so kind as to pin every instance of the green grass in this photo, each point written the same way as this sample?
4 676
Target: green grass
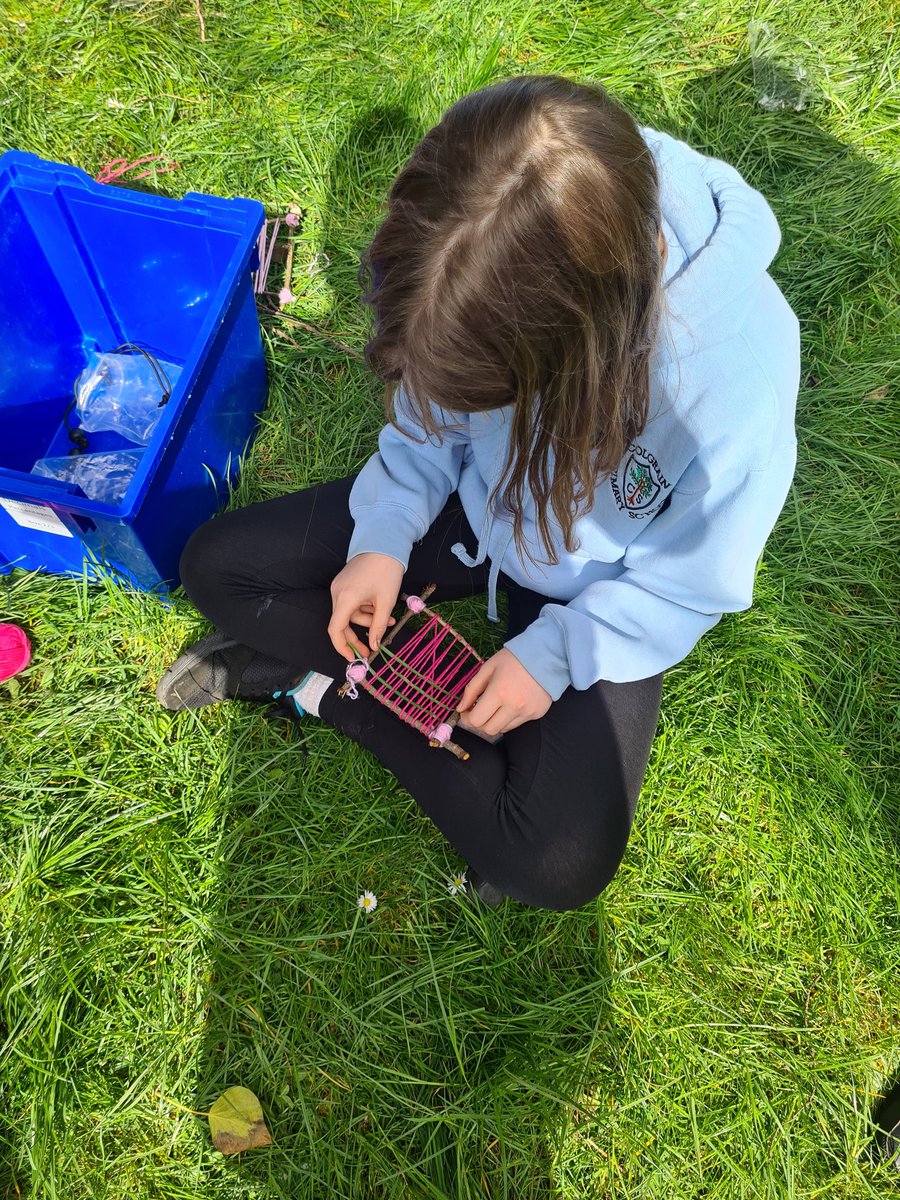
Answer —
178 897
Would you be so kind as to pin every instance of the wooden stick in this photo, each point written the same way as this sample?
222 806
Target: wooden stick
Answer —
199 11
314 329
289 265
345 688
455 749
261 251
396 629
462 755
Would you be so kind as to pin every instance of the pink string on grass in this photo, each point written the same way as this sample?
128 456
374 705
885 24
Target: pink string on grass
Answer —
119 167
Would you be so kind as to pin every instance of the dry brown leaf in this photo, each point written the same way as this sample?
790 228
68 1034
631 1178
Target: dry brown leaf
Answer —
879 393
236 1122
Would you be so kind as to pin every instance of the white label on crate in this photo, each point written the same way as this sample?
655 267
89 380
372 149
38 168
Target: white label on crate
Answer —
35 516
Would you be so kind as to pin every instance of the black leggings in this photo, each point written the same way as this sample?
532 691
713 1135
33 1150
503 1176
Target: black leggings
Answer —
545 813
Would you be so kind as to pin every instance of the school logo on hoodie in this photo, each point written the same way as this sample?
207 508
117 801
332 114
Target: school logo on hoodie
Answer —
638 483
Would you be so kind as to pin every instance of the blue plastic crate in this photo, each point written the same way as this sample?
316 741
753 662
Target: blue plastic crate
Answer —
86 266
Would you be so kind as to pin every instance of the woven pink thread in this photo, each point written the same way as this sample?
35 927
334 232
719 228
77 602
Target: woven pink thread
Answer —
424 685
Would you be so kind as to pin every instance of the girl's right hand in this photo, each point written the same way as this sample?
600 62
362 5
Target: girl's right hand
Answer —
363 593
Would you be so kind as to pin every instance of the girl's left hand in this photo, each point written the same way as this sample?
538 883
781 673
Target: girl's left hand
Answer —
502 696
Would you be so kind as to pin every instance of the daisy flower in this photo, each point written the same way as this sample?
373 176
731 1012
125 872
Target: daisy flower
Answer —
368 901
457 884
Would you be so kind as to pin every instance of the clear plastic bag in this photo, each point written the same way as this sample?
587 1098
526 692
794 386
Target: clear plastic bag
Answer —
780 79
122 393
103 476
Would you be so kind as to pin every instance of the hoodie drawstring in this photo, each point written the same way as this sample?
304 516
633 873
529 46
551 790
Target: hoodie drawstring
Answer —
496 561
484 542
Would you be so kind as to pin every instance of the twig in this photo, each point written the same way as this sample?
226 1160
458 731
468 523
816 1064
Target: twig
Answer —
289 265
199 11
386 641
310 328
409 612
261 254
267 265
453 747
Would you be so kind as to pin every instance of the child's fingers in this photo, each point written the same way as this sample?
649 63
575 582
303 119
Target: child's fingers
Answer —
473 689
501 722
358 650
339 629
363 617
381 619
486 717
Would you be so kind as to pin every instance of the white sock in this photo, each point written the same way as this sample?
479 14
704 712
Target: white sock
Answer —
310 691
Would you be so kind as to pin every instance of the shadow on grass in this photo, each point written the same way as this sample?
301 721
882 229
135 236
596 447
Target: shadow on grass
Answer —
427 1046
835 266
431 1049
827 554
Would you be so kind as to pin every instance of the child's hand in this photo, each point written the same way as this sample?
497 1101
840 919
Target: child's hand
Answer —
364 592
501 696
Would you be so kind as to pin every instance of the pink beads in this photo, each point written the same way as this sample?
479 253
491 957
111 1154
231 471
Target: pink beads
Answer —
443 733
357 672
415 604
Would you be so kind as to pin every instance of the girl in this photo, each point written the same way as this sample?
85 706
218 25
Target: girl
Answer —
590 386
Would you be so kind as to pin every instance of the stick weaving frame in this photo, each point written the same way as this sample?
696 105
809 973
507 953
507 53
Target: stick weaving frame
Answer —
422 682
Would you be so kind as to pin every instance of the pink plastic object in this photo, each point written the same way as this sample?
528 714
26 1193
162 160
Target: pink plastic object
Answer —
415 604
15 651
443 733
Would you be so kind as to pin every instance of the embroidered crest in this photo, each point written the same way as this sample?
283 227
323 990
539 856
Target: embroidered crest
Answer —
638 483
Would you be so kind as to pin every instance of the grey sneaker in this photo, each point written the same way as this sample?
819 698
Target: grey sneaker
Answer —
220 668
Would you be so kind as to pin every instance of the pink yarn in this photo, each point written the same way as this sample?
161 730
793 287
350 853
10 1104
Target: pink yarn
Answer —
357 672
15 651
120 166
415 604
443 733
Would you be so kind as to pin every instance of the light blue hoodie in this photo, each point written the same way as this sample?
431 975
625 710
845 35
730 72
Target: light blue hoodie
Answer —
673 537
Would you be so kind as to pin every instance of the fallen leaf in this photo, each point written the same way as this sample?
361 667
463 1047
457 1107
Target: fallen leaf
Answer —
236 1122
879 393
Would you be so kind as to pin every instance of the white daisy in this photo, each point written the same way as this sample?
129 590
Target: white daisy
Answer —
457 884
368 901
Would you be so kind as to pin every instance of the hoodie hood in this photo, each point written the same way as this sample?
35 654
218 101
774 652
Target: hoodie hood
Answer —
721 235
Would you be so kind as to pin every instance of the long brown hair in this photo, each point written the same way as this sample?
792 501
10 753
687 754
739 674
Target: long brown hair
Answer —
519 264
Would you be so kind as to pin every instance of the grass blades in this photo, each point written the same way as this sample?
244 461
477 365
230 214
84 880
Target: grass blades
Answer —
178 895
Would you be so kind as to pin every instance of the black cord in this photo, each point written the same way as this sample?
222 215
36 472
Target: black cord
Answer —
77 435
161 377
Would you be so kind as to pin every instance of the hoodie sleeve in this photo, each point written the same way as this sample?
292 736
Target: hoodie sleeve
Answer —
402 488
694 562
